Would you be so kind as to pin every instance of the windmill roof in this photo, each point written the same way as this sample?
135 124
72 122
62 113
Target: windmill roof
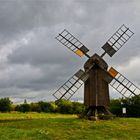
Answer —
97 60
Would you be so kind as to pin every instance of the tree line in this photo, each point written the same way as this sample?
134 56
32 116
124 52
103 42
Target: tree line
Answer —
62 106
132 106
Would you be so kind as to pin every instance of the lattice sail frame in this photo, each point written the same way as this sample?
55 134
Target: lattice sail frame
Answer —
122 84
117 40
69 88
72 43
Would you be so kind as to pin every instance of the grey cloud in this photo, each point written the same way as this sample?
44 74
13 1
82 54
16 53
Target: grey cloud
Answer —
36 67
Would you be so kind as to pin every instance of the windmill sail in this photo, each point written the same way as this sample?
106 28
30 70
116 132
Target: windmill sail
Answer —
68 89
72 43
122 84
117 40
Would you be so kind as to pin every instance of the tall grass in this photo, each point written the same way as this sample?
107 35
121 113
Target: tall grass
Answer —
41 126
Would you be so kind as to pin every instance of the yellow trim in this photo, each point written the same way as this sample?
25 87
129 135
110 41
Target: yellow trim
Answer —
79 52
113 72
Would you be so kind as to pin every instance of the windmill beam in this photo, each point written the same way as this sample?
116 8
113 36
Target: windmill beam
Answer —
74 45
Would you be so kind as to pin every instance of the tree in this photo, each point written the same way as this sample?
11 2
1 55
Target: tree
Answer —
47 107
64 107
115 107
25 101
5 105
23 108
35 107
133 106
77 108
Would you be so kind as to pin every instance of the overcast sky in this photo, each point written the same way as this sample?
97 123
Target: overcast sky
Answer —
33 64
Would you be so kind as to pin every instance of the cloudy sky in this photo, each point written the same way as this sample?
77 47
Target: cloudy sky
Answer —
33 64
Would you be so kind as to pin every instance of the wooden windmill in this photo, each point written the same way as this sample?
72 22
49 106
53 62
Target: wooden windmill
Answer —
96 76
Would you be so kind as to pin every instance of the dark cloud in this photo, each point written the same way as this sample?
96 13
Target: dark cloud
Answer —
34 64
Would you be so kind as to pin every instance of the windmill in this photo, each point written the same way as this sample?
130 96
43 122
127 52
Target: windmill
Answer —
96 75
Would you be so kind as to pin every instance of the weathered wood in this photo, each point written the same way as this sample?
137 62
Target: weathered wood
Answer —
96 90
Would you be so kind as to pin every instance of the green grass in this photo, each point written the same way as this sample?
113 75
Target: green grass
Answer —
41 126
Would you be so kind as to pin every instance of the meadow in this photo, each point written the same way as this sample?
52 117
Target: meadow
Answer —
43 126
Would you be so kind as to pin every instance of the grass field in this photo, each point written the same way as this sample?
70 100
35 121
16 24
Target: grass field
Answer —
40 126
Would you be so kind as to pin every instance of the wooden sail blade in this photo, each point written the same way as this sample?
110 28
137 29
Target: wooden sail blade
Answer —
117 40
72 43
122 84
69 88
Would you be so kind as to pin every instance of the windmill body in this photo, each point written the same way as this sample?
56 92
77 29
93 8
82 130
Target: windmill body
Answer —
96 91
96 76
